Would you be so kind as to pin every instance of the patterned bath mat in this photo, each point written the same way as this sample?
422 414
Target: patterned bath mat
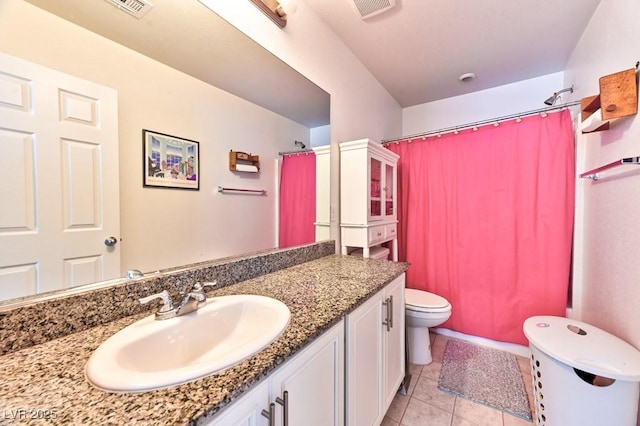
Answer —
488 376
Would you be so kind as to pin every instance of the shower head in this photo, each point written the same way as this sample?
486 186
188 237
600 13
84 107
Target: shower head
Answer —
552 100
300 144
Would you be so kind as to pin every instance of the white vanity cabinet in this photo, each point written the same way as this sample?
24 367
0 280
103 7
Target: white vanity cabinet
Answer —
246 411
350 374
375 355
368 196
307 390
314 383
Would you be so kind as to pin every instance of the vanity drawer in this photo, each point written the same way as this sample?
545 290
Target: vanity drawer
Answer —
391 231
367 236
376 234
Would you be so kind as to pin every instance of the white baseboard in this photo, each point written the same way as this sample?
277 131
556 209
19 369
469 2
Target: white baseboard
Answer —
503 346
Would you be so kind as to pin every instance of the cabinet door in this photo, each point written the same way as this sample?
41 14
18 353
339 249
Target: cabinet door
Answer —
314 383
394 341
247 411
382 188
389 190
364 363
60 180
376 188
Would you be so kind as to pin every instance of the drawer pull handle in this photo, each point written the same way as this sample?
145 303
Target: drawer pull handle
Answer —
387 321
284 401
270 415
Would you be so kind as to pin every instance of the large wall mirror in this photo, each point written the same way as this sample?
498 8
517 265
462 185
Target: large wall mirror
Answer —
157 225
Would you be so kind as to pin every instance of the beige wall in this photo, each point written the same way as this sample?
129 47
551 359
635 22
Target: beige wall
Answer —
607 234
608 212
360 106
160 227
159 98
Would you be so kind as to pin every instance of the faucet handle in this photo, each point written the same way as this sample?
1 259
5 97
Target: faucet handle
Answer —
198 289
200 286
166 300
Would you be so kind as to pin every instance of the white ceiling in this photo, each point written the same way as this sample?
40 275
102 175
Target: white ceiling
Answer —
418 49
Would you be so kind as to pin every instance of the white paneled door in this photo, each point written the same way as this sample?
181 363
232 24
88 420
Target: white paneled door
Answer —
59 202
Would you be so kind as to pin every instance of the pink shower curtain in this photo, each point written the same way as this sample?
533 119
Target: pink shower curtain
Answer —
297 200
486 221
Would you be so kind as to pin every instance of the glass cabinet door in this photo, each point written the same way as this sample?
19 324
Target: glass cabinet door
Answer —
375 188
389 196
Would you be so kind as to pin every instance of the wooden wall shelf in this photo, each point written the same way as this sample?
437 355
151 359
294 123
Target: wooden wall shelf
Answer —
243 162
619 94
590 123
618 98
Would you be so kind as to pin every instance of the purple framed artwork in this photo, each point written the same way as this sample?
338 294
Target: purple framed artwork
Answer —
170 161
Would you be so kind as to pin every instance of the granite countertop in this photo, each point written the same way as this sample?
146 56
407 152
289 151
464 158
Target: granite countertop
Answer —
47 380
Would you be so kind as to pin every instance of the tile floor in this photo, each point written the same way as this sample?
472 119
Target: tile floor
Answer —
426 405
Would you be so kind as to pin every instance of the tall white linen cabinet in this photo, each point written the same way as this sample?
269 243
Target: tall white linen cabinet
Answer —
368 196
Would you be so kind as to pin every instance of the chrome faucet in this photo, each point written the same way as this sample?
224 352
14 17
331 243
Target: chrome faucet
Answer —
134 274
191 301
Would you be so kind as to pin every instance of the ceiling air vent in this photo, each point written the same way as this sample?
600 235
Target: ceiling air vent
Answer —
368 8
136 8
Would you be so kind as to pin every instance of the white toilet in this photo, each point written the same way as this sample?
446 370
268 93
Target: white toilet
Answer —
423 310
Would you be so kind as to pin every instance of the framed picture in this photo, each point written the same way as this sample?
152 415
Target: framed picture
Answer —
170 161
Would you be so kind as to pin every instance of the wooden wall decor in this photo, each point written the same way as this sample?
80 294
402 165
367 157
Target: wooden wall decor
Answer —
618 98
243 162
619 94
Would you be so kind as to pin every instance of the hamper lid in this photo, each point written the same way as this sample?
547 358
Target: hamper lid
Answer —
584 346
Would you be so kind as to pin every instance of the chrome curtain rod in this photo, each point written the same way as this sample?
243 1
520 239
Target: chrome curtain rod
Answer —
483 122
304 151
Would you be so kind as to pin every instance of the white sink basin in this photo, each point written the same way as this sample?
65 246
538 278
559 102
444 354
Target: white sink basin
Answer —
151 354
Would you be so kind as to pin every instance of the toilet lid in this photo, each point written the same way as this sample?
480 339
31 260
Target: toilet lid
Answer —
424 301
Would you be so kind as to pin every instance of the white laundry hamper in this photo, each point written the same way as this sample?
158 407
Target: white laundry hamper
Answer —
582 376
